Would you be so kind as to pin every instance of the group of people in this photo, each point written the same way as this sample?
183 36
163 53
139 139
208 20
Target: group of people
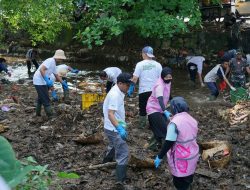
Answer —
175 129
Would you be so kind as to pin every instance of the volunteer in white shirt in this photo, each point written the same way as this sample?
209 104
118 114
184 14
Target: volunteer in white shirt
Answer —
62 71
43 83
195 65
213 75
114 117
110 74
147 71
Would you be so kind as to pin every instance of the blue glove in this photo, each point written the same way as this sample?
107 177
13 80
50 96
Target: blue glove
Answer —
75 71
54 95
131 89
167 114
122 132
157 162
49 82
65 85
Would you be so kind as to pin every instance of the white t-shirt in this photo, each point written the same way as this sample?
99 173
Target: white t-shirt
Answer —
50 64
61 70
112 73
148 71
197 60
248 59
212 75
114 101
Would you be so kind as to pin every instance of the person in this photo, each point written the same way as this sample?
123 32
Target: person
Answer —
212 76
156 107
110 74
31 57
114 116
228 55
238 67
229 18
147 71
3 67
180 145
62 71
194 66
43 83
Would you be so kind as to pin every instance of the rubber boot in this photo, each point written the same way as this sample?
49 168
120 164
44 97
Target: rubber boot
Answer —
109 157
142 121
48 111
152 144
121 171
38 109
66 95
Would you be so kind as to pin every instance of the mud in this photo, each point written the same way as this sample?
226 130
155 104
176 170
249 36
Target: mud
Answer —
52 142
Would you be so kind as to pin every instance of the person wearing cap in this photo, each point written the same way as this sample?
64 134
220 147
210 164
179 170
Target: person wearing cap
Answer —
195 65
180 145
212 76
157 113
147 72
110 74
43 83
114 116
62 71
238 66
31 57
3 67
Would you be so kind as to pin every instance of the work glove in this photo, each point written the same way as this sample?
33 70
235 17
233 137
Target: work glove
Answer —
122 132
202 85
157 162
167 114
232 88
75 71
54 95
65 85
49 82
131 89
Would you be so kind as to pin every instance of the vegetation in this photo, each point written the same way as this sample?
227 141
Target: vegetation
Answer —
99 20
27 175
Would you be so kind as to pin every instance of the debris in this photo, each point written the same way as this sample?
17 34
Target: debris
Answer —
207 173
92 139
3 128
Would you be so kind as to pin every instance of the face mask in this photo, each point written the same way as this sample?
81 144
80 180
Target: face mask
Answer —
167 81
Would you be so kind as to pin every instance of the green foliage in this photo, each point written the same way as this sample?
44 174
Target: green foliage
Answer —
26 175
149 18
43 19
105 19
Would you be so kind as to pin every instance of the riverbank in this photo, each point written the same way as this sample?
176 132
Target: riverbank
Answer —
52 142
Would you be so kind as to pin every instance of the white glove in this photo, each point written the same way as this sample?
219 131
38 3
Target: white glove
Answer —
202 85
232 88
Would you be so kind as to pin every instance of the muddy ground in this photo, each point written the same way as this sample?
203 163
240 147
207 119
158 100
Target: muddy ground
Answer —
51 142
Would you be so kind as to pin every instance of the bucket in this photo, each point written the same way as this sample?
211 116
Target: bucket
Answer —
238 94
89 99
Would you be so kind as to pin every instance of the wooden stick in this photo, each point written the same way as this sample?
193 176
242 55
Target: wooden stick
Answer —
98 166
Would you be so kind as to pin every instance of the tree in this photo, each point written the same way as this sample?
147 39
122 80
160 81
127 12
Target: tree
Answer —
42 19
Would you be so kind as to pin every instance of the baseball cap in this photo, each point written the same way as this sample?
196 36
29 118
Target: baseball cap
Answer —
148 51
124 78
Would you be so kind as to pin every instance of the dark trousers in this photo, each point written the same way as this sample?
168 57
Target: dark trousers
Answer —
158 125
192 69
109 86
43 95
143 99
213 88
182 183
29 64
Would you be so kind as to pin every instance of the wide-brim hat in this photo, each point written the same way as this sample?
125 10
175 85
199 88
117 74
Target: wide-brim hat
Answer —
59 54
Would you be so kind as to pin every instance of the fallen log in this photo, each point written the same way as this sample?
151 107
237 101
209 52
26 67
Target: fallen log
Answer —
98 166
92 139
